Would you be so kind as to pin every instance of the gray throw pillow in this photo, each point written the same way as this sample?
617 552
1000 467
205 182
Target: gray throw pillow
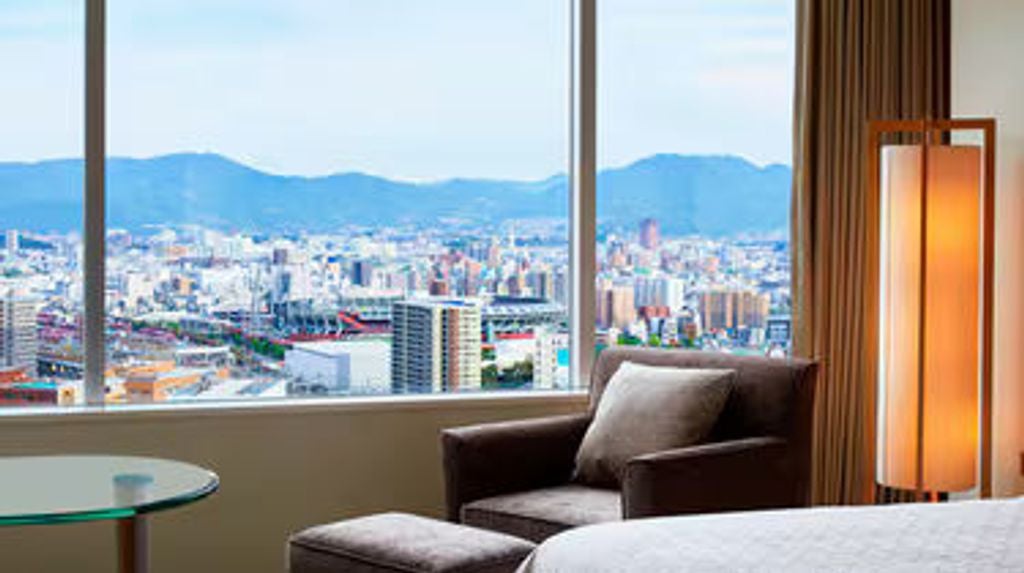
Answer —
647 409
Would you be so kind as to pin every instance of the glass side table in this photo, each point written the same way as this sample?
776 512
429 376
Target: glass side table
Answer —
66 489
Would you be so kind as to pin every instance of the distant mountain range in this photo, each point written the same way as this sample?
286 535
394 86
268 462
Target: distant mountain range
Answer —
709 195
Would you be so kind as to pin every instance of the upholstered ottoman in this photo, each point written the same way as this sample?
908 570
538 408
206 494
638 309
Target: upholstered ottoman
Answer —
400 542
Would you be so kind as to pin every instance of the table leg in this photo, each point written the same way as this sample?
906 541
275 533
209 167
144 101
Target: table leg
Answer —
133 545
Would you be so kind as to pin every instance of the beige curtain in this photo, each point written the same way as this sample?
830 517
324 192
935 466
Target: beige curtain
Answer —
856 60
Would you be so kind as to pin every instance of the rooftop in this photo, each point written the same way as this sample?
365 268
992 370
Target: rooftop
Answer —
334 348
440 302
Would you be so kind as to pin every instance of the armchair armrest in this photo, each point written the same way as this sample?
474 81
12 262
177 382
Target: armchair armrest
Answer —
505 457
733 475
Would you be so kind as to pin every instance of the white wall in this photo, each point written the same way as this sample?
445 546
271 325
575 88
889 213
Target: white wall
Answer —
281 470
988 81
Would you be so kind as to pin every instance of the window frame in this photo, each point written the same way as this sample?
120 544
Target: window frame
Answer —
582 171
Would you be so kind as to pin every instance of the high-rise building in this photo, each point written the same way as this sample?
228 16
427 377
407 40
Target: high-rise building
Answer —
659 291
12 242
752 309
471 278
438 287
362 273
435 346
514 284
601 311
493 256
413 280
291 282
18 341
561 286
731 309
649 234
615 306
717 310
623 306
672 292
542 284
645 292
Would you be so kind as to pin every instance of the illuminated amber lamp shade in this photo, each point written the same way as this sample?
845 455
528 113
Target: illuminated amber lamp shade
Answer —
935 309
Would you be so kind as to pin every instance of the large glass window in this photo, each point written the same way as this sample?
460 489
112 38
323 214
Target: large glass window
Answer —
350 198
335 198
41 54
694 143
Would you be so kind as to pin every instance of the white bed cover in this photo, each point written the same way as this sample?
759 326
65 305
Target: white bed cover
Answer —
958 536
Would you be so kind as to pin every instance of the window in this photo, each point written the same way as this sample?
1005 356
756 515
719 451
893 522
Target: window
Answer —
303 202
694 136
41 54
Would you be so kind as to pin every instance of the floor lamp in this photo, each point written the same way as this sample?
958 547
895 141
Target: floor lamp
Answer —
935 188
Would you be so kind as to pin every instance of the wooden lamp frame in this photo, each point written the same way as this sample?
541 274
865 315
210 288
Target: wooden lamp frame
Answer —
932 132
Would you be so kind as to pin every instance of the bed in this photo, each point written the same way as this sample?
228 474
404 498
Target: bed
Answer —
960 536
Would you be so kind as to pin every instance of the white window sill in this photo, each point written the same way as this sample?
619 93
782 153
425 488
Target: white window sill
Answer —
291 405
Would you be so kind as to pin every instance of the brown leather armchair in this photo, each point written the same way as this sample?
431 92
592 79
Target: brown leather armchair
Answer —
516 477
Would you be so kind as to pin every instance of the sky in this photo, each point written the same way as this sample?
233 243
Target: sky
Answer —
408 89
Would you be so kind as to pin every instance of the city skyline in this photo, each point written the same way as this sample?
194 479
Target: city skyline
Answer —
341 197
197 314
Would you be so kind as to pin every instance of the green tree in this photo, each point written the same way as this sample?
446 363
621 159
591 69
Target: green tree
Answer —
489 375
627 340
519 373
